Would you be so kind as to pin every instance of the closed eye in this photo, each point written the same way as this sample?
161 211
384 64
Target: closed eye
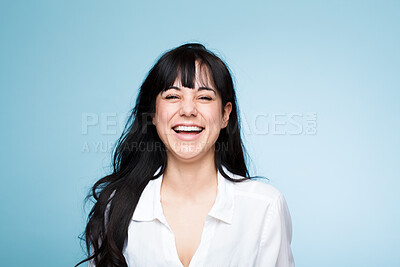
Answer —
171 97
206 98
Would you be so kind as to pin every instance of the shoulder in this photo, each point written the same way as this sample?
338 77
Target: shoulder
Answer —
259 196
253 192
257 190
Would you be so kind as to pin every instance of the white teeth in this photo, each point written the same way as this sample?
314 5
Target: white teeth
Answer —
188 128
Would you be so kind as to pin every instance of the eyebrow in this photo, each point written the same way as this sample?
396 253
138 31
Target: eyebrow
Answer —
199 89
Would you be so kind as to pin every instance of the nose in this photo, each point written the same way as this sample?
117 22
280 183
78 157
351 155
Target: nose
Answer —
188 108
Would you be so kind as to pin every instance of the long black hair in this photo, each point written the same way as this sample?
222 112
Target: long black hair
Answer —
139 152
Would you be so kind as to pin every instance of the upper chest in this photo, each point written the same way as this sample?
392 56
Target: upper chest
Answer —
186 221
207 242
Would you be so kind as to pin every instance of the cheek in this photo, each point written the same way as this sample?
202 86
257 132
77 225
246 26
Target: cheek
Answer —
213 116
163 115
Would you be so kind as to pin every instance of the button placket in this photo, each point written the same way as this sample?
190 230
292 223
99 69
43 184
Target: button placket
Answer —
169 246
202 251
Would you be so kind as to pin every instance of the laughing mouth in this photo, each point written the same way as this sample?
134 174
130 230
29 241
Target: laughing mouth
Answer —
188 129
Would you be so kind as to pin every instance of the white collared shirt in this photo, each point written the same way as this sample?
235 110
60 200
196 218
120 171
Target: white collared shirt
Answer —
248 225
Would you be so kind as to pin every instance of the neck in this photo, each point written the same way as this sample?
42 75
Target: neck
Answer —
190 180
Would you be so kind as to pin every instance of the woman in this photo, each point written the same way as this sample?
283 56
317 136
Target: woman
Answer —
180 194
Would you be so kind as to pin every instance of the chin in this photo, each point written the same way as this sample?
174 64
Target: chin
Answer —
188 154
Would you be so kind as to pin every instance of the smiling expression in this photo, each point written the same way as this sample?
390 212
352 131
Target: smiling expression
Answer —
189 120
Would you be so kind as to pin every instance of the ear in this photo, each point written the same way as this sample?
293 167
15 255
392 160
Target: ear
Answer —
153 120
227 112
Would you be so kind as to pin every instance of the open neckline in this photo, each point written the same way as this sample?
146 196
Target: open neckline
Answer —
203 230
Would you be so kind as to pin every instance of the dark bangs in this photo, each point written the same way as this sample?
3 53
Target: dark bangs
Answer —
181 64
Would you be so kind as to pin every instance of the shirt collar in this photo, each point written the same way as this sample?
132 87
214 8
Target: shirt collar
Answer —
149 205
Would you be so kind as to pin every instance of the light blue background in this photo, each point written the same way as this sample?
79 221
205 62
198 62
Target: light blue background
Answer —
64 61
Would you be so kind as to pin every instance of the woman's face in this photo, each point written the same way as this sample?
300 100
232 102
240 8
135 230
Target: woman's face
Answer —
189 120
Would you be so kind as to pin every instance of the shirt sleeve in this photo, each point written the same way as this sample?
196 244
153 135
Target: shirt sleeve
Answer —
274 250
